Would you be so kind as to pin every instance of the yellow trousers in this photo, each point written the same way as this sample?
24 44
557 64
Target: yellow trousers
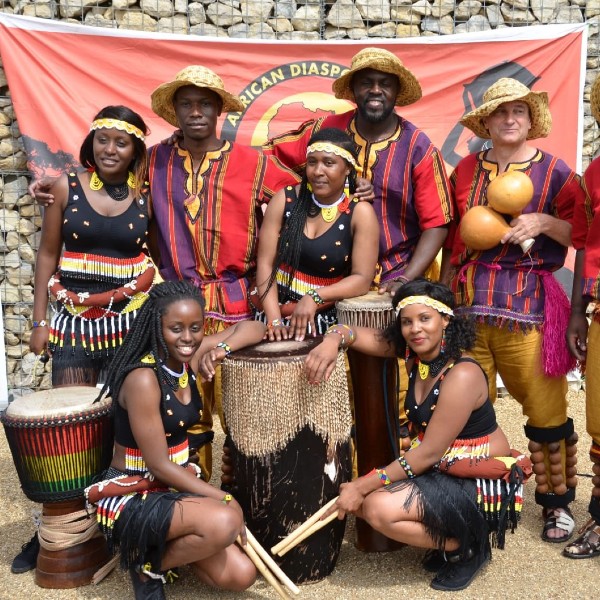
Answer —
592 383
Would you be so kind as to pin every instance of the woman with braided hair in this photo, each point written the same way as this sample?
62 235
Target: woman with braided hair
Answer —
174 518
317 243
450 489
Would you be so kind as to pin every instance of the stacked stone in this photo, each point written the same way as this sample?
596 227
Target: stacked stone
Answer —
366 20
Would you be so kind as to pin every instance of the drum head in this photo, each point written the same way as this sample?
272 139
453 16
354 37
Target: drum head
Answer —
57 402
269 351
371 301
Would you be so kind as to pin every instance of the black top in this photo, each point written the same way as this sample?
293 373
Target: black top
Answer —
177 418
481 422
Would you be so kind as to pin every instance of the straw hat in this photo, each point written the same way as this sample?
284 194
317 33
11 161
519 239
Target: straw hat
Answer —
595 99
510 90
380 60
162 96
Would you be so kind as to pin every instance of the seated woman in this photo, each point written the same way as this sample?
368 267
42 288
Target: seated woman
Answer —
317 244
438 494
182 520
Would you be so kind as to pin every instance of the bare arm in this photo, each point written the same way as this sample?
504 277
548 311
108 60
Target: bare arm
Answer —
265 262
46 264
238 336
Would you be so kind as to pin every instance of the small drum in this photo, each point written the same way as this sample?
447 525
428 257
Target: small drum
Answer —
375 389
60 441
290 449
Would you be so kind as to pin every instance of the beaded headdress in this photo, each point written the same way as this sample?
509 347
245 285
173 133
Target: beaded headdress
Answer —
330 147
120 125
431 302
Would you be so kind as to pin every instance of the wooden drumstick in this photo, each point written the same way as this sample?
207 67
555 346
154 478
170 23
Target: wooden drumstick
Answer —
275 568
308 532
302 528
263 570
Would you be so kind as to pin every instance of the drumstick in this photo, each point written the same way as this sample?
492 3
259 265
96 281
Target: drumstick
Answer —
307 532
262 568
300 529
275 568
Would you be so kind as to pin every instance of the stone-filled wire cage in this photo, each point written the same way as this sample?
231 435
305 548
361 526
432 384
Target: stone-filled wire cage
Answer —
368 20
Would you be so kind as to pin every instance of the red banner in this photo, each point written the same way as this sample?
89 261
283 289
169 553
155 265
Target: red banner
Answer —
61 74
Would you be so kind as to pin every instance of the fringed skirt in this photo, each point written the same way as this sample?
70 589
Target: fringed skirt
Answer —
137 524
468 510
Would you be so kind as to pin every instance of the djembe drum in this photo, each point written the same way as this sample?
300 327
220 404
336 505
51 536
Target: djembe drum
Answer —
375 389
60 440
289 447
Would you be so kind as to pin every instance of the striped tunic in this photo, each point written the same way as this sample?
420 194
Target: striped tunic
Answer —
409 180
207 217
586 229
504 285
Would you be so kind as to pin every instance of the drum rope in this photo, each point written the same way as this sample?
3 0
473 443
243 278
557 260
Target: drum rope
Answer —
65 531
393 436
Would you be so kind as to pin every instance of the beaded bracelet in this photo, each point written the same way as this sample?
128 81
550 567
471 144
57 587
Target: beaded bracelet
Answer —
351 334
335 329
276 322
382 475
315 296
42 323
225 347
406 467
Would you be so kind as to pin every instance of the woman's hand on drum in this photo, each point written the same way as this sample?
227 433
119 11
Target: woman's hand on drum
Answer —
321 361
302 320
209 362
38 343
277 331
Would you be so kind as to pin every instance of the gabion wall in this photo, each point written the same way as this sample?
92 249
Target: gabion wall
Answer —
367 20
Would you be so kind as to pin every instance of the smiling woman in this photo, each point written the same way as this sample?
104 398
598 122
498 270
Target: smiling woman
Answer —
317 243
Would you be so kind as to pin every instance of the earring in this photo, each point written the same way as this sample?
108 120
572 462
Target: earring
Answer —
95 182
407 352
443 343
131 180
309 187
347 188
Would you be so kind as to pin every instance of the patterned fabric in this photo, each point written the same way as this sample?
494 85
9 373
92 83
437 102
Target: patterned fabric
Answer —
411 189
102 254
586 229
503 285
207 216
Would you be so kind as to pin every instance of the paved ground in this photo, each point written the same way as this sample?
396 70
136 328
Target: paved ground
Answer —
527 568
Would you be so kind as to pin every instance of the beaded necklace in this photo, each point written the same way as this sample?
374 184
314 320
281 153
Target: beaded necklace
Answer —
176 380
329 211
432 367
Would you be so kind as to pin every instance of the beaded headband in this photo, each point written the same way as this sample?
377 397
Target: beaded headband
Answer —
120 125
431 302
329 147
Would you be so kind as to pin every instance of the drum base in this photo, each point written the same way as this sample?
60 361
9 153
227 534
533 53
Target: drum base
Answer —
280 491
71 567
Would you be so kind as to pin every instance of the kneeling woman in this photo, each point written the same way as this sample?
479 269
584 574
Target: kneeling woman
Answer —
419 499
152 383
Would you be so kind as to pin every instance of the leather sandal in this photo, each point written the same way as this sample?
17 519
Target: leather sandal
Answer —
558 518
587 545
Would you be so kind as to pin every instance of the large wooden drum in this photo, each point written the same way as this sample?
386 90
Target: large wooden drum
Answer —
375 388
290 449
60 441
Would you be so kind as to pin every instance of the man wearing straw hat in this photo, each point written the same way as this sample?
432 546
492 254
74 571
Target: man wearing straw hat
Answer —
584 339
206 196
412 196
520 308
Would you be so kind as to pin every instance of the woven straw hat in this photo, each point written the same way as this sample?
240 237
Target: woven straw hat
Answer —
380 60
162 96
595 99
510 90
